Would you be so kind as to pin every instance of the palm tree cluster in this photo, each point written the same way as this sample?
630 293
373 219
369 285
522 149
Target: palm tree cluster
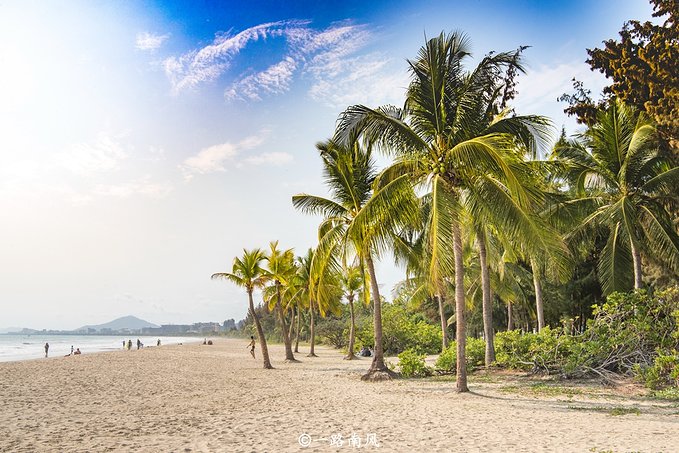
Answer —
469 205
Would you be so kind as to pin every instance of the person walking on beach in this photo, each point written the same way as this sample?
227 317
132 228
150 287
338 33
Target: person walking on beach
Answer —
158 344
71 349
138 344
129 345
47 348
252 346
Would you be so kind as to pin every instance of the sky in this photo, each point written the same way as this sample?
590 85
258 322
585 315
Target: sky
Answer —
144 144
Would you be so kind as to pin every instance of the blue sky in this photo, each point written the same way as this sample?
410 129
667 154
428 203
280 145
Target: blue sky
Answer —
144 144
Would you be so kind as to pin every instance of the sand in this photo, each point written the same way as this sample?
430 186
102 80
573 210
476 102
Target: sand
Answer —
194 398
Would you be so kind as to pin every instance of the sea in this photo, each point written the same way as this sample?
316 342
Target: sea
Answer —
28 347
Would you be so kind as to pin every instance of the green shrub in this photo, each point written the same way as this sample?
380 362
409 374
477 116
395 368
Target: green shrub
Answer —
663 373
447 360
475 352
401 331
411 364
512 350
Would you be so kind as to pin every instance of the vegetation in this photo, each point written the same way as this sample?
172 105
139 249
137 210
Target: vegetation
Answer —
564 266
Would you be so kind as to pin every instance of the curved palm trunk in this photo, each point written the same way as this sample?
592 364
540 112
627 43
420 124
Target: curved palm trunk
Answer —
352 327
488 332
260 334
444 323
378 369
299 315
636 261
312 330
510 317
292 324
289 356
538 295
460 324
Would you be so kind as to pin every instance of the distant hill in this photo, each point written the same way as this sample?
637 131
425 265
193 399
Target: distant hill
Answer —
126 322
9 330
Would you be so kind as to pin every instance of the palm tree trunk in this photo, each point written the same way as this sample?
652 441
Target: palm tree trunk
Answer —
378 369
260 334
299 315
289 356
460 324
292 324
538 294
510 317
312 330
352 327
636 261
488 333
444 324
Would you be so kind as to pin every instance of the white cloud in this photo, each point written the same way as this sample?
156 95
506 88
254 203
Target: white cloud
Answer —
273 158
542 86
328 56
149 41
368 79
274 80
214 158
208 63
84 159
144 186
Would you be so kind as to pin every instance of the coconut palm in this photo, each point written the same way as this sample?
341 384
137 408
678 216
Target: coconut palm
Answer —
358 222
452 136
351 281
248 273
280 270
627 187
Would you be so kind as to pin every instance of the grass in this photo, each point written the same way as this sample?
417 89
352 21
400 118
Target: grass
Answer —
670 393
614 411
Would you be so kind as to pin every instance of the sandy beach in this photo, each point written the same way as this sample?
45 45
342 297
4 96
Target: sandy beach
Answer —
194 398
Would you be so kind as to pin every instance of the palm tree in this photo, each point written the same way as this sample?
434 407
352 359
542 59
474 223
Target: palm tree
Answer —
627 187
448 136
248 273
351 281
358 221
280 270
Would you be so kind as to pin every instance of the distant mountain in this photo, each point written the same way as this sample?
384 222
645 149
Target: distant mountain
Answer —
10 329
126 322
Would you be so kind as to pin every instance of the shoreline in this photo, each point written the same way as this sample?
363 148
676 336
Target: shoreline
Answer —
192 397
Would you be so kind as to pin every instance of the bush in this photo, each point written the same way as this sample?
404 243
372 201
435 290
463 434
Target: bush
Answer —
333 331
631 334
448 358
663 373
411 364
475 352
401 331
475 355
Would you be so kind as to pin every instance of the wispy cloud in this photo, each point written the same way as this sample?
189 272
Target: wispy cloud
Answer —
543 85
209 62
214 158
149 41
276 79
144 186
329 57
273 158
368 79
88 158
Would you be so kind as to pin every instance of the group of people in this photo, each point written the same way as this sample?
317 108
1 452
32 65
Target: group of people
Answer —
366 352
76 352
128 344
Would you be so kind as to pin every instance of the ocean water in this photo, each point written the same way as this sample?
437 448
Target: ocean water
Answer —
27 347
